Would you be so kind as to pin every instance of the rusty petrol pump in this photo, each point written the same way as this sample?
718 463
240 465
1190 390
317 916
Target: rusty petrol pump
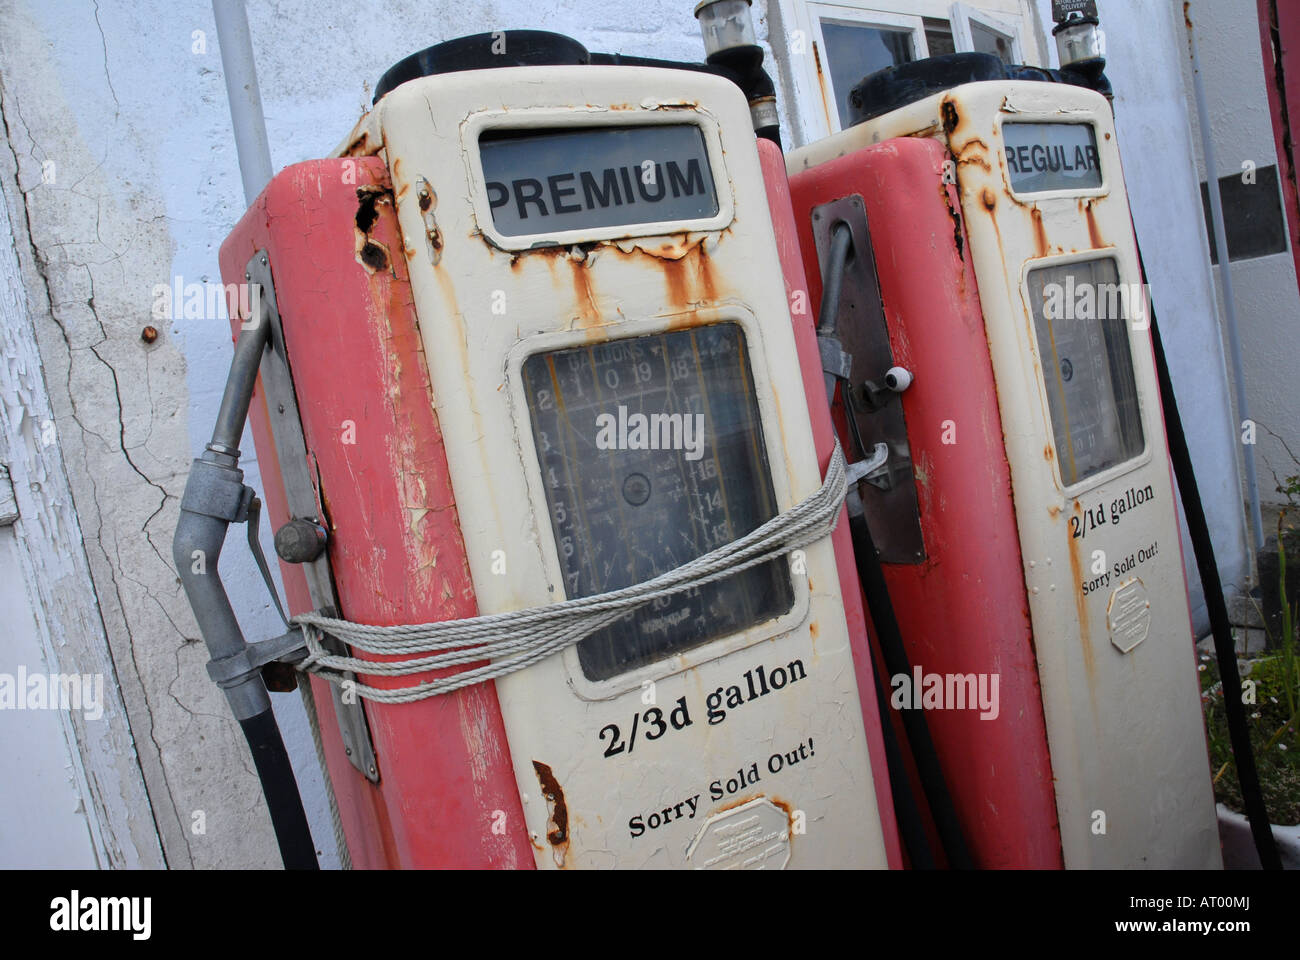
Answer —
1042 539
555 485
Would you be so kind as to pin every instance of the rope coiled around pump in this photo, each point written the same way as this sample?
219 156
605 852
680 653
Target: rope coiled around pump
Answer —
512 641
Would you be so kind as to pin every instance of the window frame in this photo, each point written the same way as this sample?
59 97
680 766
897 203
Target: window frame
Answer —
800 48
812 12
962 15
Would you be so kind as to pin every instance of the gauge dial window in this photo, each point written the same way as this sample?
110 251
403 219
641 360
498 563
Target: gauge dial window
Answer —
651 453
1081 313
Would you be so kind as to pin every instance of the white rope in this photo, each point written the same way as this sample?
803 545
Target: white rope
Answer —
515 640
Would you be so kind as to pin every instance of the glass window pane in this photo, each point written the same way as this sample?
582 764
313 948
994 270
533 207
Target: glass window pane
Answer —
854 50
1081 315
988 40
652 454
938 37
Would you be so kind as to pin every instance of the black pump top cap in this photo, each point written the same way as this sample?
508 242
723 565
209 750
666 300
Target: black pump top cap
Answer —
514 48
897 86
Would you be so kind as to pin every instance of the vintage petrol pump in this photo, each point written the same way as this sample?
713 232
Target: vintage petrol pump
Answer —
530 344
1027 526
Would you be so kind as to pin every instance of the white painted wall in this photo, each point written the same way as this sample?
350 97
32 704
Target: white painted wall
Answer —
129 108
1267 298
43 818
1144 49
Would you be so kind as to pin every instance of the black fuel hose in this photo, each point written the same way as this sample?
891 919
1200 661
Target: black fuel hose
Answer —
297 849
907 814
892 652
876 592
1211 585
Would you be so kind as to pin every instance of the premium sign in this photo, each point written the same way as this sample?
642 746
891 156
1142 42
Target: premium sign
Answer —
580 179
1051 156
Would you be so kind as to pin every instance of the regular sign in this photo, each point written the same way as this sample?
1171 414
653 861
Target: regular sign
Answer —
1042 157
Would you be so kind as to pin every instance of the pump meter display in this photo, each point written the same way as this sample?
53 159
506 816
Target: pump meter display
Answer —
1080 315
652 454
583 178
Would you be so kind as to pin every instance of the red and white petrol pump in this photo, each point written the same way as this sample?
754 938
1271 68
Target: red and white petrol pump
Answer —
530 342
1027 529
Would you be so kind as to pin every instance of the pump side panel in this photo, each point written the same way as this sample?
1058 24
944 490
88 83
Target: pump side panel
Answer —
964 610
374 441
805 338
1112 635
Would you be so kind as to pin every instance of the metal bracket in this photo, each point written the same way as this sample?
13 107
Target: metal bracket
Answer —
255 548
230 671
300 492
889 501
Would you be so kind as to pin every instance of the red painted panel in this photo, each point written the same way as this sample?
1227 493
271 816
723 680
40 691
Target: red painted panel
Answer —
396 549
814 385
1282 81
963 610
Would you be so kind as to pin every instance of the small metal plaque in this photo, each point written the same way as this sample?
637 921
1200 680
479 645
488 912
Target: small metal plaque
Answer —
753 836
1128 615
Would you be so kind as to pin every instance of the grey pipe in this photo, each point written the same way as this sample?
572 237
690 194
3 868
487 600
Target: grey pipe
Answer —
1225 275
228 430
215 496
244 95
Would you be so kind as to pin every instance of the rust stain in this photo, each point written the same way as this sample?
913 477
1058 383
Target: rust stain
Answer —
1081 608
974 151
1094 233
948 114
989 199
704 270
369 197
360 146
675 280
1047 453
374 255
813 629
1040 232
821 86
558 835
588 313
959 238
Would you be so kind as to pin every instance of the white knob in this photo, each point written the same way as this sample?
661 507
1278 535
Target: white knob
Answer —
898 379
